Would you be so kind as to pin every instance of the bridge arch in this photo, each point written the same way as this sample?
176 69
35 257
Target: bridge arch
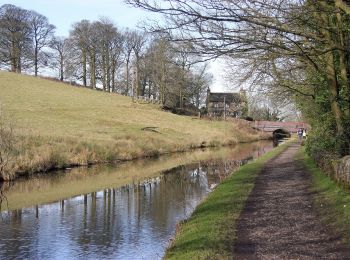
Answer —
281 133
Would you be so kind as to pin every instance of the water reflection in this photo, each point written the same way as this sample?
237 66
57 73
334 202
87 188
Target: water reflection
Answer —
130 221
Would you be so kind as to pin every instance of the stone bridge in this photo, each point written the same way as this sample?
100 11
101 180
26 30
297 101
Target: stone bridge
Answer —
270 126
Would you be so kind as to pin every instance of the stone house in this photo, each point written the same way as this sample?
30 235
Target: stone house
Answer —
226 104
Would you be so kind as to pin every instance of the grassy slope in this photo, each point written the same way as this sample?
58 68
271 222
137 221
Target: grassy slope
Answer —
62 125
331 199
210 232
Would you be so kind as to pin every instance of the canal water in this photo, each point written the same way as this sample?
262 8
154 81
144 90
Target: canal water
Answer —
125 211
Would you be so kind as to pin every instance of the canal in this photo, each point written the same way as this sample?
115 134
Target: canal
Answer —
124 211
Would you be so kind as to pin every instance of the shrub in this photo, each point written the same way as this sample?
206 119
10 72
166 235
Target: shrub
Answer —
324 146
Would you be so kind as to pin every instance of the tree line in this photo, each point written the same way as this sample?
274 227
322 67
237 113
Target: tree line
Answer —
293 50
99 55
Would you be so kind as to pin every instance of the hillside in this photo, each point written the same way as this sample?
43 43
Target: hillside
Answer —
61 125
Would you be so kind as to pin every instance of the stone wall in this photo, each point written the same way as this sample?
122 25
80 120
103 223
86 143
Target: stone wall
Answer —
342 172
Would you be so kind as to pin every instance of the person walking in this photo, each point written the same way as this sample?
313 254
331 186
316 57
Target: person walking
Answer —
300 134
304 134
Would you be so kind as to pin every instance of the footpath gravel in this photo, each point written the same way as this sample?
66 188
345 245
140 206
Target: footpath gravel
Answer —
279 221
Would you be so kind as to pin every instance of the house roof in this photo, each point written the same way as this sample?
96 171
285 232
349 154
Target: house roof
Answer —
228 97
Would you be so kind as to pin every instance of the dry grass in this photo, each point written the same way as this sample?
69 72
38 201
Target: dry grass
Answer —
62 125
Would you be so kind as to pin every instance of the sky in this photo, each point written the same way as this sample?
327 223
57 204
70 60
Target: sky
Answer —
63 13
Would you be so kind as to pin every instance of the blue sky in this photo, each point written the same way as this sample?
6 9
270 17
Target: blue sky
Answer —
63 13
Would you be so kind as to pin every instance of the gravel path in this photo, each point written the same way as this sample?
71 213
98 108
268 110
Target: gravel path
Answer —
279 221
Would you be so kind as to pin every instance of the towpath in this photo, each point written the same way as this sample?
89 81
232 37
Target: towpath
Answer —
279 221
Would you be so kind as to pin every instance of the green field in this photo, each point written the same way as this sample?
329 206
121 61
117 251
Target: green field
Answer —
59 125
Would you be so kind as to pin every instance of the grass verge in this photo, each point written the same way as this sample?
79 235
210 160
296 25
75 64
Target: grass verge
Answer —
210 232
331 199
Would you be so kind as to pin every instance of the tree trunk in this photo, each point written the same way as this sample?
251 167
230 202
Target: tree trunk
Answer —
113 72
163 82
108 70
36 59
84 60
127 72
61 68
19 62
342 64
331 73
104 72
93 69
137 76
334 89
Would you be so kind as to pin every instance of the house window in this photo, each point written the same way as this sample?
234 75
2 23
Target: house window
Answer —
216 105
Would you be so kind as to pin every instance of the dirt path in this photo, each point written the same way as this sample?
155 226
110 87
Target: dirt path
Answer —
279 221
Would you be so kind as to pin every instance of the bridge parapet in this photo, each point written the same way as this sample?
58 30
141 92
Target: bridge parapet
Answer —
271 126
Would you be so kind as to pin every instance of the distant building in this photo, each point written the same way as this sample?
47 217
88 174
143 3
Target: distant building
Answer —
226 104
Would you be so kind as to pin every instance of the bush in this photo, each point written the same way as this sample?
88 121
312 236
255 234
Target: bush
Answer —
324 146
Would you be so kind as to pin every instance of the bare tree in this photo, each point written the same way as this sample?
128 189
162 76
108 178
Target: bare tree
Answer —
139 41
168 73
80 36
161 61
128 49
116 57
100 46
93 50
42 32
106 35
61 47
15 36
199 83
184 60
